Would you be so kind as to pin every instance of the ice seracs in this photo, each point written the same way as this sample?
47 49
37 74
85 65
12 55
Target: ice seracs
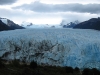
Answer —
57 47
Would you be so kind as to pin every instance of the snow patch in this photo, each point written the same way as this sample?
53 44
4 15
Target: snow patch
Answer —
4 21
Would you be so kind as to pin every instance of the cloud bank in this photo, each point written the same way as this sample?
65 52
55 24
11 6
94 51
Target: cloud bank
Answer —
7 2
73 7
49 11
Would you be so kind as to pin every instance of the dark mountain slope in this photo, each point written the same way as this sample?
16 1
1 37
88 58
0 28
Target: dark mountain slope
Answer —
4 26
93 23
12 25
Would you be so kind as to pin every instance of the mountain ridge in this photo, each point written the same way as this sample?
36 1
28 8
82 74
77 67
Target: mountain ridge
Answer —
93 23
4 26
10 24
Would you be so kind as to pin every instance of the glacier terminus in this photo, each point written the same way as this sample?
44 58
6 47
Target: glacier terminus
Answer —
56 47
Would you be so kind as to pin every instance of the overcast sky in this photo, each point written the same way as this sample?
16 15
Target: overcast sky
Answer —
49 11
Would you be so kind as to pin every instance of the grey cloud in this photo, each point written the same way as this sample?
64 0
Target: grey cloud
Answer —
4 2
75 7
20 15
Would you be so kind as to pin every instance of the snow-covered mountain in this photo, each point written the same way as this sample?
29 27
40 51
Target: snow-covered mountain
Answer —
4 20
65 24
31 25
59 47
3 26
11 24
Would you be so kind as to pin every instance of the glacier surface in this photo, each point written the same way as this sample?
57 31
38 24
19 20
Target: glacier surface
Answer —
56 47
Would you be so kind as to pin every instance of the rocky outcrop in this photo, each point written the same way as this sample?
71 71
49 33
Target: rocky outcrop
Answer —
59 47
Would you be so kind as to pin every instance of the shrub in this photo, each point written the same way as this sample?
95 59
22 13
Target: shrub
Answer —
77 69
1 64
33 65
26 71
15 63
24 65
69 69
94 71
86 71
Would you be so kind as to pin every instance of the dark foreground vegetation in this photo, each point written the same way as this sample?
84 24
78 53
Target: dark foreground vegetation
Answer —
16 68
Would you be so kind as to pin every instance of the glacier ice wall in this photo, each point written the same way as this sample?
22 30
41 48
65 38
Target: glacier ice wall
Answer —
57 47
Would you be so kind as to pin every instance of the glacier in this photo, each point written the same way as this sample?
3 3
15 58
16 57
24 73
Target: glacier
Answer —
56 47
